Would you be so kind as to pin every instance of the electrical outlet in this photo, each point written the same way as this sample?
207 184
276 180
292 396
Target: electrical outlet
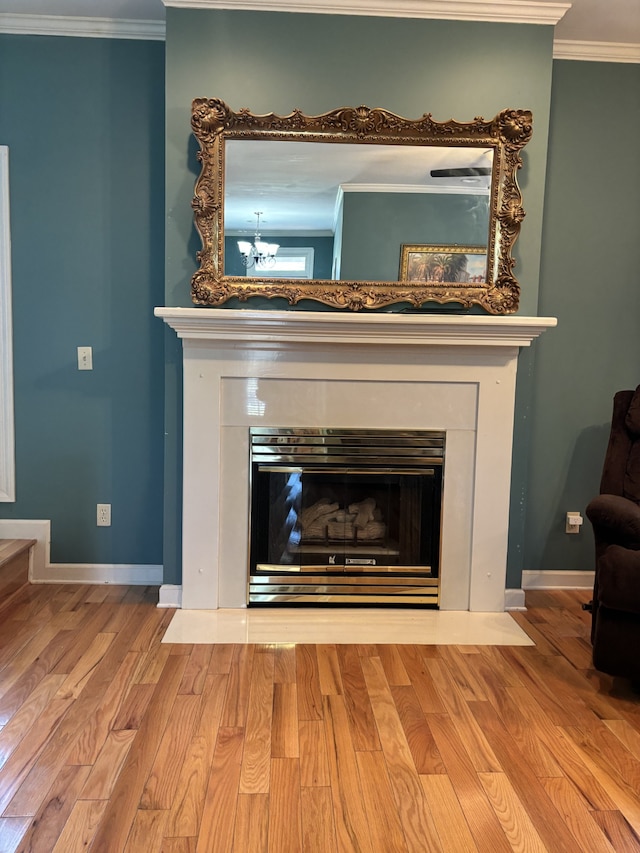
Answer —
103 515
573 522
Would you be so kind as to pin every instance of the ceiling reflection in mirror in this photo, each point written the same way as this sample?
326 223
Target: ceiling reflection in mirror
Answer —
369 196
430 194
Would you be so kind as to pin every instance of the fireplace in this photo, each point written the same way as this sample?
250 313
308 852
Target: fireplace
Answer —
454 374
345 516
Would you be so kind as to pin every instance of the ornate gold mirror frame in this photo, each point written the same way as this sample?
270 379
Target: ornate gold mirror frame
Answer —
213 122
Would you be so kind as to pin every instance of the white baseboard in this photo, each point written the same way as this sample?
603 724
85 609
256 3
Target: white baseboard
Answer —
42 570
170 595
514 599
101 573
557 580
30 528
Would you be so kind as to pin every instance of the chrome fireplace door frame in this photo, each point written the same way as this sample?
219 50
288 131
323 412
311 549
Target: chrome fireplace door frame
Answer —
363 453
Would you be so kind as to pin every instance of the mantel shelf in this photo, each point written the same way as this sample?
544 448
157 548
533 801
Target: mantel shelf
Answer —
382 328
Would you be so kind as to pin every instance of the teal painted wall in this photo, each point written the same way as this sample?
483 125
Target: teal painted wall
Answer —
84 122
375 226
270 61
589 280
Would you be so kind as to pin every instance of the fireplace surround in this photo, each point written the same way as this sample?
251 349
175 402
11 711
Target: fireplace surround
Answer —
385 371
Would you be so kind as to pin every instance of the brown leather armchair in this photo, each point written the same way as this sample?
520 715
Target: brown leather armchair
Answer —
615 516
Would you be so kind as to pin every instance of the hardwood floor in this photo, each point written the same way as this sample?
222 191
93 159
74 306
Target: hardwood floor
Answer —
112 741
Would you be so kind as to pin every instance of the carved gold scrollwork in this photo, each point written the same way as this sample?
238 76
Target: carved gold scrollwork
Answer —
213 122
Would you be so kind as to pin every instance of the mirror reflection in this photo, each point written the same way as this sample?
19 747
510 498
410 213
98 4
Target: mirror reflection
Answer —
344 211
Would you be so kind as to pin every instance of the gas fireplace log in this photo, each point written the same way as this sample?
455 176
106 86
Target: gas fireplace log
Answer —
324 520
316 532
320 509
335 531
364 512
373 530
344 516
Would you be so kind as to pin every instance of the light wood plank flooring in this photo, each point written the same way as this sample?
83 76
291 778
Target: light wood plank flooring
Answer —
113 741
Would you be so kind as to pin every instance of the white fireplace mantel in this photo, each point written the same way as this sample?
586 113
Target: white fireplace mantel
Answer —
353 328
247 368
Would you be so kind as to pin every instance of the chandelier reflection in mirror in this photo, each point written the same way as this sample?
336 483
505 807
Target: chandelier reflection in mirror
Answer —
259 254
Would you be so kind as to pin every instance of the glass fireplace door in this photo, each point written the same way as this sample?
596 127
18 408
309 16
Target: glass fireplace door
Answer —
311 520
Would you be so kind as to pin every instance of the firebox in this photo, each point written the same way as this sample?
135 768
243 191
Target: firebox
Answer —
345 516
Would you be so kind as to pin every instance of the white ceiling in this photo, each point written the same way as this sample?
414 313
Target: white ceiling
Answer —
296 186
607 21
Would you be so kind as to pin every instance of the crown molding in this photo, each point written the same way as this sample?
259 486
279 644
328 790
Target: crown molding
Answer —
61 25
506 11
596 51
415 188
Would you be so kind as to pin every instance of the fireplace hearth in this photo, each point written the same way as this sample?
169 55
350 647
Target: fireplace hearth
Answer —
345 516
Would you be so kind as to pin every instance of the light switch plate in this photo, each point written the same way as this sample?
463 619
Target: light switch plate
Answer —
85 358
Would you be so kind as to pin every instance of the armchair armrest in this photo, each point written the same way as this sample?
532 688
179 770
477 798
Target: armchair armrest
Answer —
615 519
619 579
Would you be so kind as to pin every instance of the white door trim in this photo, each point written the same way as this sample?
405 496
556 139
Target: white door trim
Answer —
7 437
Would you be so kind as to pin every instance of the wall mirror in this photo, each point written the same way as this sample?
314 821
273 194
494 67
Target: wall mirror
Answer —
357 208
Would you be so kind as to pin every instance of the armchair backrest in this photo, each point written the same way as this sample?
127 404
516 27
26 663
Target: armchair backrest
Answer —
621 470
